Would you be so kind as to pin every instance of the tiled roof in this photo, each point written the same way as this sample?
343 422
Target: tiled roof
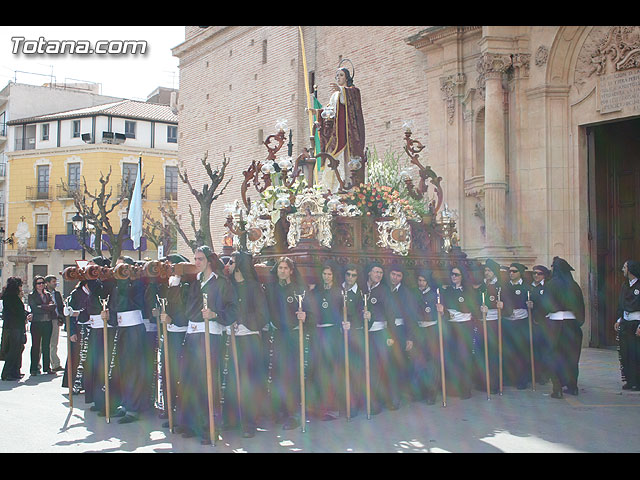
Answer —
132 109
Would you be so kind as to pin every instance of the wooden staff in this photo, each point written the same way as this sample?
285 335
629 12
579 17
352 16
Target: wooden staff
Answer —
442 375
303 414
367 367
234 352
165 336
207 349
105 347
533 365
486 349
500 340
69 356
346 355
158 365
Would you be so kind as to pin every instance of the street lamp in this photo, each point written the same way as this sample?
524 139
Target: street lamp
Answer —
3 240
79 224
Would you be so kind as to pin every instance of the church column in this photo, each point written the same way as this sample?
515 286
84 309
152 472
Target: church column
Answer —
492 67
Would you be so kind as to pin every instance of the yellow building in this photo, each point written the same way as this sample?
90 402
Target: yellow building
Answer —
74 146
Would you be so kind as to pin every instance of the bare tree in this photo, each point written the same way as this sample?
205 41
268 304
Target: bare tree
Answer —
205 197
97 206
157 232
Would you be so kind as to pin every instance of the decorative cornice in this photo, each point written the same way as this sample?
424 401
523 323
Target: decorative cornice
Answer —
433 35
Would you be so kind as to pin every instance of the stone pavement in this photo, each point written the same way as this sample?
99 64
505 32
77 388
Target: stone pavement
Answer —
34 417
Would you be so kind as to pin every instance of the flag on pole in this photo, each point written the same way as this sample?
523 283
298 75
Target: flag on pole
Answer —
317 105
135 209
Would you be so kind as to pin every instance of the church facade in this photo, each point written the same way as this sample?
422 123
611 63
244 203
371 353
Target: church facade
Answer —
532 128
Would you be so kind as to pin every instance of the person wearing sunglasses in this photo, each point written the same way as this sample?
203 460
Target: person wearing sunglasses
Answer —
516 360
355 326
42 307
537 289
462 304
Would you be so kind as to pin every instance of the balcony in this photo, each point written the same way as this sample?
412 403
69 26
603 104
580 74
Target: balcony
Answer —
35 243
26 143
168 193
62 194
37 193
126 189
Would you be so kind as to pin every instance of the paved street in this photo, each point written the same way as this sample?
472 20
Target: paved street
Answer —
34 417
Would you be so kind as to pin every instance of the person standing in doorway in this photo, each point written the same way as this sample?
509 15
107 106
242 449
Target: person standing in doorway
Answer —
628 326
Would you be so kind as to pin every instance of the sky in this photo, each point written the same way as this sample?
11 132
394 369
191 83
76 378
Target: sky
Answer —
128 75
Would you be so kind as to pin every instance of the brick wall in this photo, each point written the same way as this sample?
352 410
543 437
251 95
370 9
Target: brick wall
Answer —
230 92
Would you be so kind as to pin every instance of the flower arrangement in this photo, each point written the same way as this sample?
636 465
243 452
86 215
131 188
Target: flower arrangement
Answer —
371 199
385 188
374 200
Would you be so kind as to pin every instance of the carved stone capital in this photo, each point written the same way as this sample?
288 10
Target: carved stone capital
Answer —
494 63
520 63
491 66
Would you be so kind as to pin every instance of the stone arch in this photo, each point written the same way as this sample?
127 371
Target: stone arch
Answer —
563 53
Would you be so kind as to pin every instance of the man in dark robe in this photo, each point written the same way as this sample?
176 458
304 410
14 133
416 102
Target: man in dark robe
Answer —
628 326
566 316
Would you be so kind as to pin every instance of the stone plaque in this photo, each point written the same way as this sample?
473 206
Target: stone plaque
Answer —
620 90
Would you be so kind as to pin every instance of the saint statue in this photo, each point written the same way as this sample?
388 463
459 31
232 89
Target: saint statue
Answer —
22 235
342 132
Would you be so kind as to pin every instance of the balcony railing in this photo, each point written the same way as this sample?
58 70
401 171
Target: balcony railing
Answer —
168 193
126 189
39 192
29 143
61 193
35 243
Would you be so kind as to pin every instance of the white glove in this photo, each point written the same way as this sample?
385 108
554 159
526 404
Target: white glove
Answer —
67 311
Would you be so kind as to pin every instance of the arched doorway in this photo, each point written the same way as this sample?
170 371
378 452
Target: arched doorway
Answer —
614 163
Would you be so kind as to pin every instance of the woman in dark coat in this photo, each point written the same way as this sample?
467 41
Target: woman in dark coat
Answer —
14 330
326 375
462 303
251 319
42 307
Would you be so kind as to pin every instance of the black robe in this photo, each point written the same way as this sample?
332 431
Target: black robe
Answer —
629 342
